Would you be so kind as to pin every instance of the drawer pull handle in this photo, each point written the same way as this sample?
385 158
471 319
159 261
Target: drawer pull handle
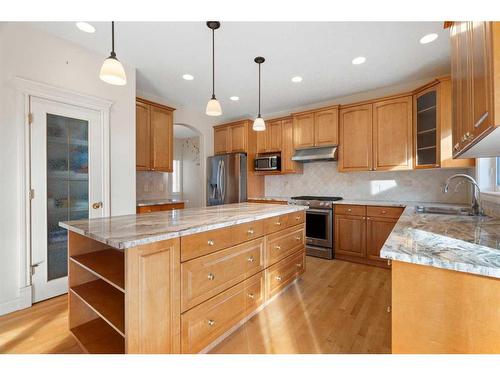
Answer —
298 238
251 296
299 265
278 278
278 223
211 276
277 247
210 242
384 211
251 259
250 231
349 209
297 218
211 322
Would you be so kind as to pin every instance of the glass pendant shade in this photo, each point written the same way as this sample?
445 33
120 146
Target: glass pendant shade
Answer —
213 108
259 125
112 72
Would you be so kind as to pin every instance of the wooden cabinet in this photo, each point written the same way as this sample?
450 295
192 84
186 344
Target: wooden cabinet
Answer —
392 134
475 61
238 137
154 136
159 207
350 235
269 140
287 149
315 128
355 146
221 140
361 231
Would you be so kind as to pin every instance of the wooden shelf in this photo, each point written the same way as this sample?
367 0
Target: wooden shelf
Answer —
427 131
97 337
426 148
426 109
108 264
105 300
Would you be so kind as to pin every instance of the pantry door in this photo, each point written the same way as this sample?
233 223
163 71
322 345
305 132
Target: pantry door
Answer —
67 183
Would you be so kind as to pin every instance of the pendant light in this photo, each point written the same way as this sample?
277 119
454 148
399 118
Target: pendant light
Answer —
213 105
259 125
112 71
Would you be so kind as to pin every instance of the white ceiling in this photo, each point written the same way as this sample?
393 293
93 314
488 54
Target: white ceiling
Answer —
320 52
182 131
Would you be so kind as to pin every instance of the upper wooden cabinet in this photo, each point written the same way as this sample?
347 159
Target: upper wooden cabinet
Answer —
475 75
355 146
269 140
154 136
376 136
287 164
392 134
231 137
315 128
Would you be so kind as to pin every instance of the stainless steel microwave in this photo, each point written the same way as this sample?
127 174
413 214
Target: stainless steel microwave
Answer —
267 163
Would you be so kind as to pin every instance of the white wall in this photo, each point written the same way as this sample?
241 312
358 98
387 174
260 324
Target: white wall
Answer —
37 56
192 176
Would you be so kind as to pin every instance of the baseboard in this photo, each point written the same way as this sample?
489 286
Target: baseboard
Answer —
19 303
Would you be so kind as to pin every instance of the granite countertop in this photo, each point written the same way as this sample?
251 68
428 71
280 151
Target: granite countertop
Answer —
372 203
276 199
461 243
126 231
154 202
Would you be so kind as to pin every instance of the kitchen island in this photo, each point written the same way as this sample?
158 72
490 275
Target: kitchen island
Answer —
445 283
178 281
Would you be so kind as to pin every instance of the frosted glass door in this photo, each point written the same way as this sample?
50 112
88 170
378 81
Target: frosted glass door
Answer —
67 185
67 180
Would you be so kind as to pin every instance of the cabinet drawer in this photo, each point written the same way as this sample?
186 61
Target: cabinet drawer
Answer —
281 244
255 288
206 322
248 231
381 211
284 272
206 276
196 245
276 223
344 209
296 218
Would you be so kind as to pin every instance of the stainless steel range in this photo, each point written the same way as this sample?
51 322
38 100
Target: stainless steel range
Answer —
319 224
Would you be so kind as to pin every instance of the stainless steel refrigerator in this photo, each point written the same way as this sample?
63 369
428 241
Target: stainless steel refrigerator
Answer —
226 179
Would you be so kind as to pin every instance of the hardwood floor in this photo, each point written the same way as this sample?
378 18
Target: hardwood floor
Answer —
337 307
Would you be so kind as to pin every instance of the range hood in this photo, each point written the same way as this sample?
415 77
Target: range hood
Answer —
315 154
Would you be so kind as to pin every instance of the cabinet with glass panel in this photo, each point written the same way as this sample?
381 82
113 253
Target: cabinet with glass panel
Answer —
426 128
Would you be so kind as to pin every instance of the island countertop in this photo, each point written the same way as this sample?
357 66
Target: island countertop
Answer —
462 243
127 231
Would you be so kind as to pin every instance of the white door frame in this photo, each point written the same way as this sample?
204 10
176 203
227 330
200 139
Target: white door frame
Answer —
26 88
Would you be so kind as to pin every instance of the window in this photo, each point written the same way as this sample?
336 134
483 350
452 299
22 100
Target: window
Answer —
176 186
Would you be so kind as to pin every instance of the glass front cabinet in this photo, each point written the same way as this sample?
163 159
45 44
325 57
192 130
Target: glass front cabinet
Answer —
426 128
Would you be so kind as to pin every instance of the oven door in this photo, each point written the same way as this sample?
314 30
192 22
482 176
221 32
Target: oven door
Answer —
319 227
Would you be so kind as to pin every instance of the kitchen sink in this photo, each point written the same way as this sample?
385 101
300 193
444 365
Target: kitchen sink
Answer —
443 210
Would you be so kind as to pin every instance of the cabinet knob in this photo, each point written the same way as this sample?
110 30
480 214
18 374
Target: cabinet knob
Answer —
278 278
298 238
349 209
299 265
389 262
277 247
297 218
278 223
96 205
211 322
368 218
210 243
250 231
251 259
211 276
389 309
251 296
384 211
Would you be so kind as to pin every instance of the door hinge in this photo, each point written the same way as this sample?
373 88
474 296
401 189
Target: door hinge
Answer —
30 118
32 194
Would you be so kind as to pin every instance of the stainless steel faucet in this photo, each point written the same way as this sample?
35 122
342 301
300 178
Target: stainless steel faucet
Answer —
476 192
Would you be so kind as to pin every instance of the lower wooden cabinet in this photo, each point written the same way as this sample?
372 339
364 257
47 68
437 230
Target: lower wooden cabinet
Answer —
361 231
159 207
282 273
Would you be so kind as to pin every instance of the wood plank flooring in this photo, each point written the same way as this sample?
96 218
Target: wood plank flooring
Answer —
337 307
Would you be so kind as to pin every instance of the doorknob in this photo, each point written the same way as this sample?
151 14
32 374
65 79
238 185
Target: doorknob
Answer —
96 205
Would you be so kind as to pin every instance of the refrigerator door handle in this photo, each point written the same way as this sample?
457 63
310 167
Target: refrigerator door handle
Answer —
223 180
219 179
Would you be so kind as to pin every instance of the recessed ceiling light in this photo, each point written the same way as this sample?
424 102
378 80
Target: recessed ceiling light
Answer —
87 27
188 77
234 98
358 60
428 38
296 79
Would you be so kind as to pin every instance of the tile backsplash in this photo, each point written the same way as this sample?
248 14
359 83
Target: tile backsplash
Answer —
322 178
151 185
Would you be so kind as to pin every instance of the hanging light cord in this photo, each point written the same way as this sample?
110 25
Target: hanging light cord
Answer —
213 64
259 91
113 54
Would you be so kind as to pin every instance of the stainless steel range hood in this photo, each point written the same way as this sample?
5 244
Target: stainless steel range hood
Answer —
316 154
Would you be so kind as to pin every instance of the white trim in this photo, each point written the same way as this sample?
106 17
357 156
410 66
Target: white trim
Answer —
25 89
21 302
